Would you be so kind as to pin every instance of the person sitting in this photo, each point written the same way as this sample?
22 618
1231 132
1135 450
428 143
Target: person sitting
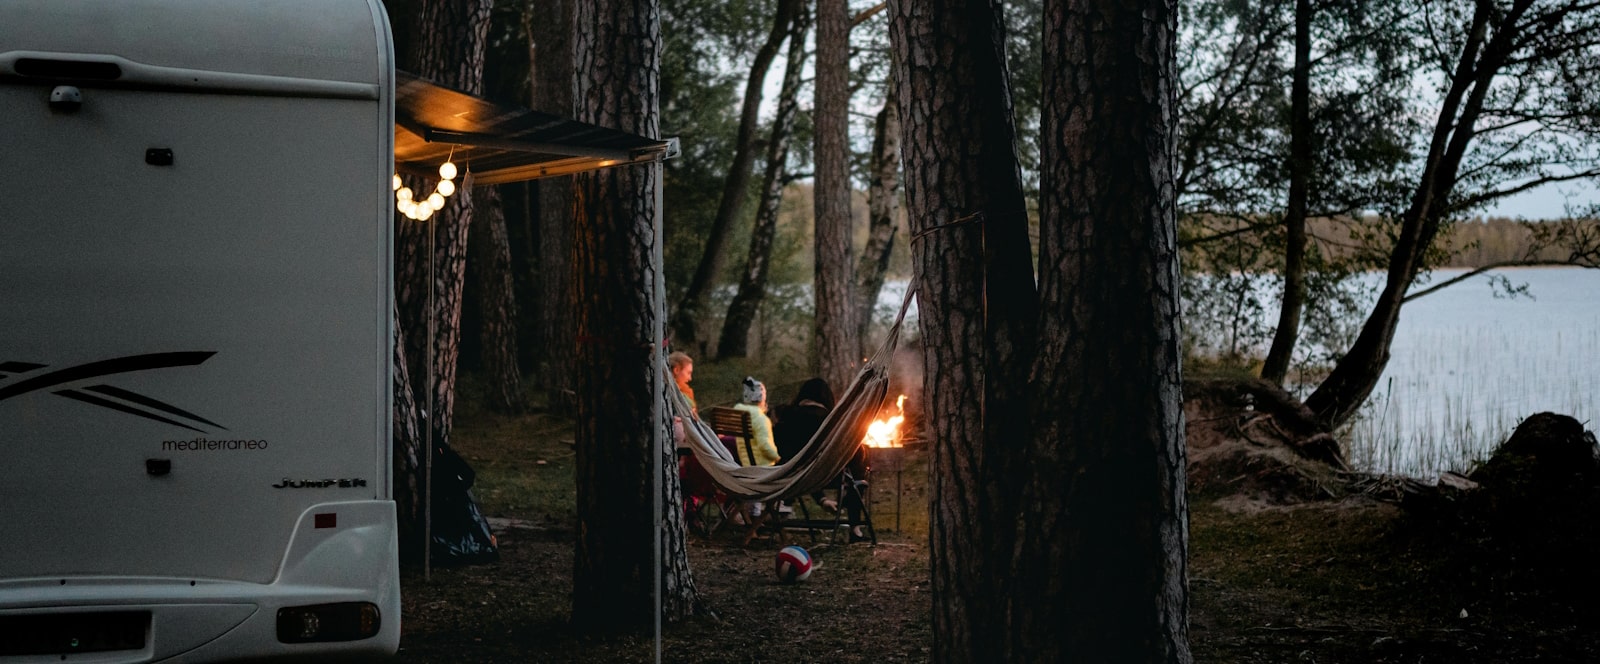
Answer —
682 368
759 451
761 448
797 422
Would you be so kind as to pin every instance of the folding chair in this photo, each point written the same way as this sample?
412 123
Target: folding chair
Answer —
732 426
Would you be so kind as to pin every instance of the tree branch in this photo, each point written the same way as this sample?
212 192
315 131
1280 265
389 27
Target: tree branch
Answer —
1475 272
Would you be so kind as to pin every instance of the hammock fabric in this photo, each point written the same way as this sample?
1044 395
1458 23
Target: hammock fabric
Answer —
818 463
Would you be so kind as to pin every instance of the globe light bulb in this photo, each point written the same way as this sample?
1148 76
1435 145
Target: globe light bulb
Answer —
397 184
423 212
404 194
446 187
436 201
447 170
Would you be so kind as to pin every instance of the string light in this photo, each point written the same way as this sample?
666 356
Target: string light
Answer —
408 204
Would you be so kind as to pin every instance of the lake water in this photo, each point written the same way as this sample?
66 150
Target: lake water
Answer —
1467 366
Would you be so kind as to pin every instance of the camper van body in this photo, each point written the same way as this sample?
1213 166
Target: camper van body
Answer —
195 331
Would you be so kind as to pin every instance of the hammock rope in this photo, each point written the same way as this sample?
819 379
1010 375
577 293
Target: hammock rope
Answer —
827 452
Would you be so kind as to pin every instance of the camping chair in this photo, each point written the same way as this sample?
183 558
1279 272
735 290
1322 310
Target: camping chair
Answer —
705 505
733 427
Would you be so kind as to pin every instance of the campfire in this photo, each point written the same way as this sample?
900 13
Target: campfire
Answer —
886 432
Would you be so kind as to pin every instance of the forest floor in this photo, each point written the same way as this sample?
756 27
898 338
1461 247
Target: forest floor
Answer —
1331 577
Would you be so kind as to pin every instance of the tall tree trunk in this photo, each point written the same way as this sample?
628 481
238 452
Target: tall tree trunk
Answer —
446 46
1482 57
1276 365
409 453
550 31
735 339
520 203
883 207
836 348
490 254
625 466
965 202
1104 542
735 187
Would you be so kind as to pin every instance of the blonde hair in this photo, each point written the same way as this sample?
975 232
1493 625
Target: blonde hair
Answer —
677 359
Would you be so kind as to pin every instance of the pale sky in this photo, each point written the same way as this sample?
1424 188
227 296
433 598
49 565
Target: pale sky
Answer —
1546 202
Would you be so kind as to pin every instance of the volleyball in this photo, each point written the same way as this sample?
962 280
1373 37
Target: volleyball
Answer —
793 564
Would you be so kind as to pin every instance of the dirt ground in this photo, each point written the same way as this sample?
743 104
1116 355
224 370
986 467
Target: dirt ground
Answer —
1282 568
862 603
1341 582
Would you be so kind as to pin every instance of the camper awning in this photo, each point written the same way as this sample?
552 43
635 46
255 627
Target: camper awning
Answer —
499 143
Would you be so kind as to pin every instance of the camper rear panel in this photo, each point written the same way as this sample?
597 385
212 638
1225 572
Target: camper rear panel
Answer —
195 308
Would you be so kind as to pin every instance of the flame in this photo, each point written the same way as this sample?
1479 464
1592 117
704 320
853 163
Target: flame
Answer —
886 432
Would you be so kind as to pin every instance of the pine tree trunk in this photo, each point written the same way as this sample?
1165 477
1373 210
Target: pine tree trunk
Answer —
551 32
447 47
735 186
490 254
735 339
1104 541
1281 353
964 199
883 207
837 352
626 466
409 453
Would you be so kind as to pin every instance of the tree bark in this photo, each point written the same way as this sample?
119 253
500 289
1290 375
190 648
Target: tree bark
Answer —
489 251
446 46
1103 544
551 33
883 208
409 453
1281 353
735 188
836 348
735 338
625 465
970 245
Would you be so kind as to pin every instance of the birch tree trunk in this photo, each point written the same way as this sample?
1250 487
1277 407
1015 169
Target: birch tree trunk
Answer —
735 338
883 208
735 187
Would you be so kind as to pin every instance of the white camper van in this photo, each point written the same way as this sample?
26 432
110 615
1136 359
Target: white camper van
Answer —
195 336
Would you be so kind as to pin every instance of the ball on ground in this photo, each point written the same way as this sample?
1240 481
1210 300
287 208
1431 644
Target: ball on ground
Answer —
793 564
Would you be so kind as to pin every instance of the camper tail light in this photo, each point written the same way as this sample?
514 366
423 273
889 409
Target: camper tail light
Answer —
345 621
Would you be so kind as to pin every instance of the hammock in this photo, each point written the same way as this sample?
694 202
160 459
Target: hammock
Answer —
818 463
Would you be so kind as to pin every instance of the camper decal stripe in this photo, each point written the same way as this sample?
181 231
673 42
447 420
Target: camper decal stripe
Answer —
18 367
142 400
106 396
106 368
92 399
